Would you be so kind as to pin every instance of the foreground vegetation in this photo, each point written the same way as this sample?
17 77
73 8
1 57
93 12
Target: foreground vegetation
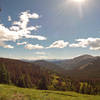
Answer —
14 93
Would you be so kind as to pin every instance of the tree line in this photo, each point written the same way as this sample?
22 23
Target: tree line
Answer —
46 80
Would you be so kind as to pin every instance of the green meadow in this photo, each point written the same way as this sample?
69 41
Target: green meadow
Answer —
15 93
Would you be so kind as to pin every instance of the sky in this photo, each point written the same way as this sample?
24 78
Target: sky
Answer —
49 29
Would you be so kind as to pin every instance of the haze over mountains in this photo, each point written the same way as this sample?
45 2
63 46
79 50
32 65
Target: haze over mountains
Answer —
75 62
68 64
85 66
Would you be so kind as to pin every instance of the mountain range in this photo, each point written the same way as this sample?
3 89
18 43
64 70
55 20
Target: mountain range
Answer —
82 67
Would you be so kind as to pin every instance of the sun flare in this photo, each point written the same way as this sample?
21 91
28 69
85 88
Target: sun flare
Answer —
79 1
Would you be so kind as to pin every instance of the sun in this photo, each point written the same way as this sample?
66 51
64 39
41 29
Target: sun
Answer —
79 1
78 4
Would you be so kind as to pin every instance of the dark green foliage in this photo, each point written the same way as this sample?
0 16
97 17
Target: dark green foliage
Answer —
43 84
4 75
21 81
87 88
28 82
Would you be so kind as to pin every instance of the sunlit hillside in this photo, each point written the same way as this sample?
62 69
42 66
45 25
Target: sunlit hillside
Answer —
15 93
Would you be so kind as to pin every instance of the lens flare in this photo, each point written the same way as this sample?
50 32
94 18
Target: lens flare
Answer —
79 1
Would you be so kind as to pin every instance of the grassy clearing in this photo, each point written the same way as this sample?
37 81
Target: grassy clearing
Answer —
15 93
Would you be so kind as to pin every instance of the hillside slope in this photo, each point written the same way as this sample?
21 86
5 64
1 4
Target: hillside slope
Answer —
48 65
45 75
15 93
91 70
24 73
70 64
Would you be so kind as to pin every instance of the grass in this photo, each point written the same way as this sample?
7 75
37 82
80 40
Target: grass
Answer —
15 93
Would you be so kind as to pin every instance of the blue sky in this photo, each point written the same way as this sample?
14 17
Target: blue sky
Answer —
49 29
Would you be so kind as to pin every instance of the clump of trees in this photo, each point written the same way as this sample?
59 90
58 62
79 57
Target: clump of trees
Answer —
4 75
87 88
43 84
27 77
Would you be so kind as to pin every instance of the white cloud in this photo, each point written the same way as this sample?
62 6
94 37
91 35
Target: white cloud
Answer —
58 44
24 19
36 37
2 44
40 53
30 46
7 35
8 46
38 57
14 28
17 23
22 43
96 48
33 16
92 43
9 18
20 29
33 28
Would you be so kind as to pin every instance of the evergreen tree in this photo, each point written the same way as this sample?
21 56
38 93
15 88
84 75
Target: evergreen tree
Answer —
82 86
29 82
21 81
4 76
43 84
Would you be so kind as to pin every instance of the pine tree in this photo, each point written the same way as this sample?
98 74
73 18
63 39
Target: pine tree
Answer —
43 84
21 81
29 82
4 76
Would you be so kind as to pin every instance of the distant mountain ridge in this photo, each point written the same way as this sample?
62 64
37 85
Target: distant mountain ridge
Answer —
88 71
75 62
84 66
47 65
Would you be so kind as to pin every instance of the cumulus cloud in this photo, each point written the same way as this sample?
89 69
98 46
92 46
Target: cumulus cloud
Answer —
36 37
24 19
58 44
30 46
14 28
6 46
92 43
9 18
22 43
35 28
7 35
20 29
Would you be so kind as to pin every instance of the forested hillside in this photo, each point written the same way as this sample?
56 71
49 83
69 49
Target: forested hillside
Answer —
41 76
